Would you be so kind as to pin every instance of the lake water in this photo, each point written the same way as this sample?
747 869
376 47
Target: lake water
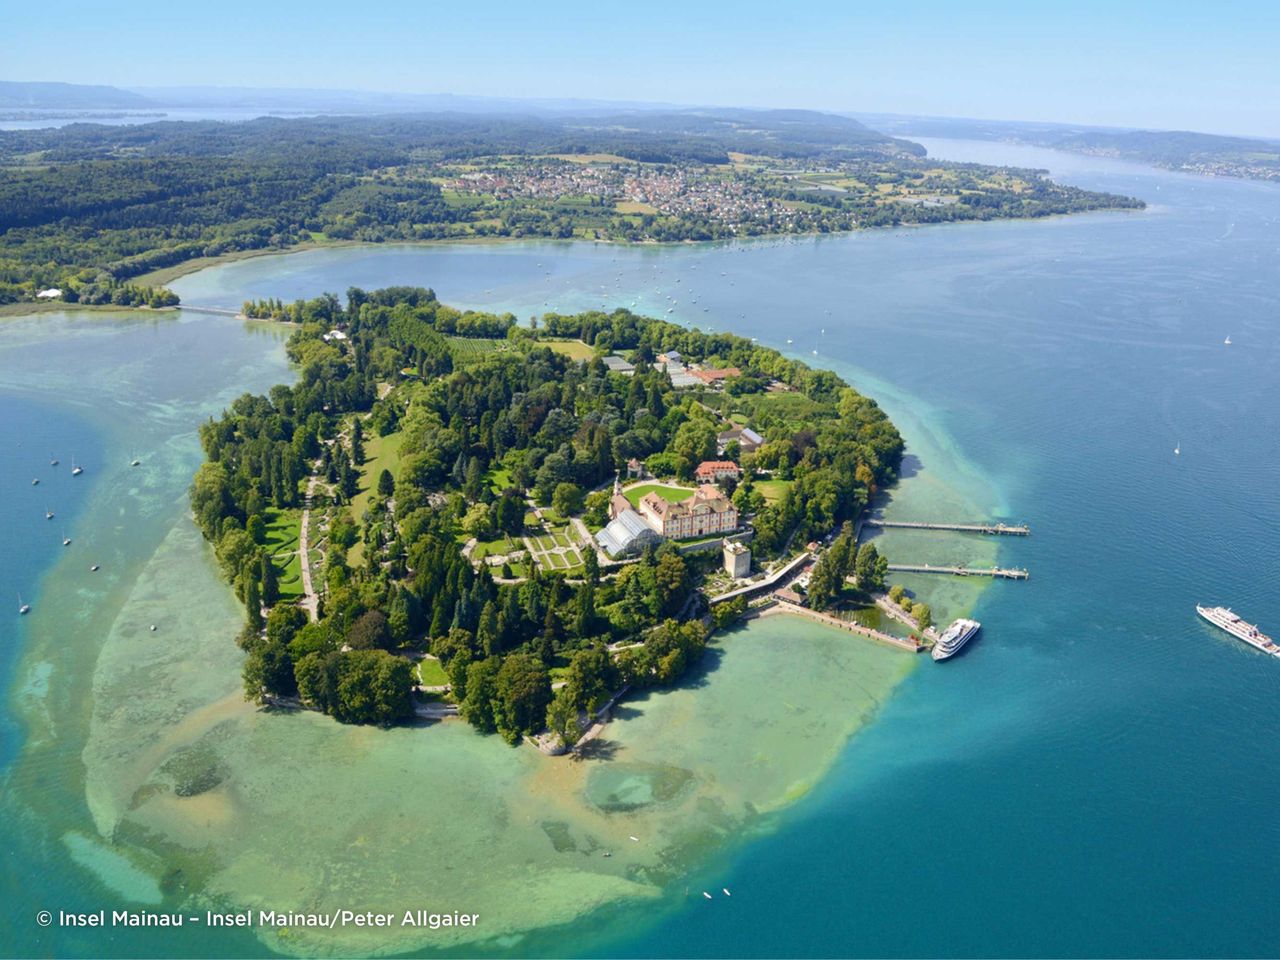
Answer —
1094 775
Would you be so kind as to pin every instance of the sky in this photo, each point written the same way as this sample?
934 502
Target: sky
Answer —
1207 66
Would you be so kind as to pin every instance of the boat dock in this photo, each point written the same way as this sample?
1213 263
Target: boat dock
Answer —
993 529
1004 573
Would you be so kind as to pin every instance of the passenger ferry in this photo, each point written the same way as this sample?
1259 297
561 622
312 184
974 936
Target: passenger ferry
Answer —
1224 619
954 637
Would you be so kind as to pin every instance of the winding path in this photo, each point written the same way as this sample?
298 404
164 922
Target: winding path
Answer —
310 600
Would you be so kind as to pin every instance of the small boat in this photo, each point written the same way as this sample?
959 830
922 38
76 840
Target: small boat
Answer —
1177 450
726 891
789 342
23 608
815 353
153 628
608 854
94 568
35 481
636 839
75 471
1227 342
134 462
707 895
53 462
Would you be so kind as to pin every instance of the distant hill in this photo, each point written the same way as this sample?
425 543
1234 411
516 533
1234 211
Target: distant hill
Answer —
300 99
1205 153
19 95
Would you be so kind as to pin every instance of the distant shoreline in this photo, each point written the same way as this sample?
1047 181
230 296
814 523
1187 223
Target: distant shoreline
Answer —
166 275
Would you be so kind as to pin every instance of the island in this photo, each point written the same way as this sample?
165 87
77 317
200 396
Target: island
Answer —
452 513
101 214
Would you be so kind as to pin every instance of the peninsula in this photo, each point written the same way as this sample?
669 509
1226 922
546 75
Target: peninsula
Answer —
107 214
452 513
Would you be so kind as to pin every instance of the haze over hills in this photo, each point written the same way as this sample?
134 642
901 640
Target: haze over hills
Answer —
1206 153
68 96
1213 154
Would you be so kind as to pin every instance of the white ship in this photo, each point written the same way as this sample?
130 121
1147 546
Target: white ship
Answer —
1224 619
954 637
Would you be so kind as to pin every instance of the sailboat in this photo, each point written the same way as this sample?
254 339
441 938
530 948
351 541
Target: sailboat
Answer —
53 461
134 462
35 481
48 514
1227 342
23 608
66 541
1177 451
75 471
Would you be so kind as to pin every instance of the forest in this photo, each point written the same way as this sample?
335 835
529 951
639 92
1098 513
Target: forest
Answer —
485 439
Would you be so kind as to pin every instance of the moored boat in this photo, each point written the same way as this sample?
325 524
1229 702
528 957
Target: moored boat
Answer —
954 637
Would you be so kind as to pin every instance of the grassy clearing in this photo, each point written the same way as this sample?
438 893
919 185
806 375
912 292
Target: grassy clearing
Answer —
381 453
573 349
773 490
670 494
634 206
431 673
491 548
498 479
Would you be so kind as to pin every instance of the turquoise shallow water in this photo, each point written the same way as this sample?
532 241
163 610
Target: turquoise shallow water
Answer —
1095 774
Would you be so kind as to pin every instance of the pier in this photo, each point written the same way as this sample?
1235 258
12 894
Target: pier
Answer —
1004 573
902 643
993 529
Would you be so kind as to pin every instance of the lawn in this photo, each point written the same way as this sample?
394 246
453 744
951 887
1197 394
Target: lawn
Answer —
380 453
670 494
491 548
773 490
498 479
283 527
431 673
573 349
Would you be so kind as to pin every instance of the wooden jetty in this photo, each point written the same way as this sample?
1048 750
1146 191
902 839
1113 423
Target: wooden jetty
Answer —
1005 573
994 529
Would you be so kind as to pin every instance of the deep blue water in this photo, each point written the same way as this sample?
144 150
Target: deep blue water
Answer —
1096 775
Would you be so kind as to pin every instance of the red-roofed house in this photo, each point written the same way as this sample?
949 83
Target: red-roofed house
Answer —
713 471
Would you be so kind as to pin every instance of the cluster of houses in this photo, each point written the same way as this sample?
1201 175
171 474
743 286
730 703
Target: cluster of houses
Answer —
666 189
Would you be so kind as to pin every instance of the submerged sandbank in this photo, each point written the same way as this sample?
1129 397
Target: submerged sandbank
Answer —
294 811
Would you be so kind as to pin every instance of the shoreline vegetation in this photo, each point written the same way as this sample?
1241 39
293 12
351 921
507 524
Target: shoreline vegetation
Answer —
482 454
108 214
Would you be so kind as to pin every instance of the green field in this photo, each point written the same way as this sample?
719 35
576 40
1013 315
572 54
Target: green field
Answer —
670 494
773 490
573 349
281 543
